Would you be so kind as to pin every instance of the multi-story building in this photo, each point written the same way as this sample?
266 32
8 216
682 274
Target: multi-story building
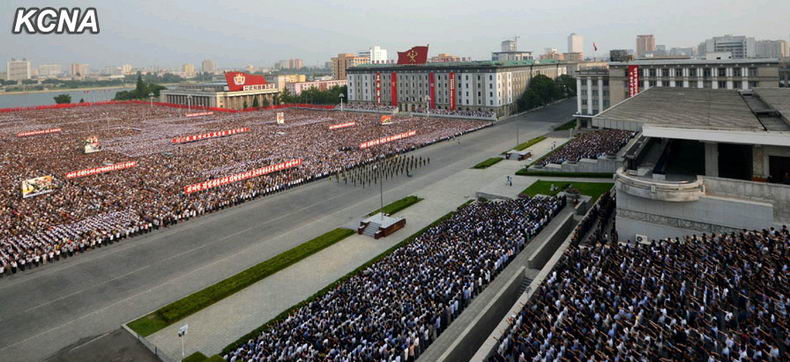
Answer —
772 49
295 63
234 92
644 44
445 58
298 88
344 61
50 70
208 66
480 85
619 55
740 46
573 57
576 44
377 55
79 70
283 80
682 52
510 52
551 54
18 69
598 88
188 70
126 69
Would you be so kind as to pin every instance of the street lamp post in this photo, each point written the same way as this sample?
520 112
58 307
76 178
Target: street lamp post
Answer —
189 103
151 97
428 106
341 101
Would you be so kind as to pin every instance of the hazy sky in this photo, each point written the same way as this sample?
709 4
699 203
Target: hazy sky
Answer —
240 32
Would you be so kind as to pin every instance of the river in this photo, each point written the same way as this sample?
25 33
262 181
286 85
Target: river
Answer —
44 98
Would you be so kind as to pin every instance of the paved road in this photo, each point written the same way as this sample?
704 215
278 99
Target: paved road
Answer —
52 307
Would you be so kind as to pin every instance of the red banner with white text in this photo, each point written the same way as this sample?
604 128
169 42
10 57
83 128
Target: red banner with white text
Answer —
241 176
342 125
378 87
383 140
102 169
38 132
452 90
633 80
203 136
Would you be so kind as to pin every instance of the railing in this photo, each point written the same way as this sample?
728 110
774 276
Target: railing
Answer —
648 188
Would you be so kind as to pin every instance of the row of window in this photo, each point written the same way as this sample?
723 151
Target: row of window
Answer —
696 72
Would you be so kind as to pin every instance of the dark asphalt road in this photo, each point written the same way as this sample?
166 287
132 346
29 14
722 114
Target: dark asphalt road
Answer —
55 306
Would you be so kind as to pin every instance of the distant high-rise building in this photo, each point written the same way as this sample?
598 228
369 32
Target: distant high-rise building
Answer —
739 46
188 70
510 52
295 63
445 58
551 54
772 49
644 44
208 66
682 52
575 43
50 70
18 69
377 55
79 70
619 55
344 61
510 45
126 69
573 57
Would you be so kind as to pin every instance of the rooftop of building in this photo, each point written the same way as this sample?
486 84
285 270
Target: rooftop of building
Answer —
445 65
704 108
696 61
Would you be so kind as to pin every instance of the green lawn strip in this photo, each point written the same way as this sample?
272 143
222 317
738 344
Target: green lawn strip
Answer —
188 305
256 332
487 163
527 172
566 126
531 142
392 208
592 189
195 357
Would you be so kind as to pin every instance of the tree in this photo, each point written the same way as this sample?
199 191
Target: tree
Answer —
62 99
141 90
245 105
266 101
541 91
567 85
255 103
82 100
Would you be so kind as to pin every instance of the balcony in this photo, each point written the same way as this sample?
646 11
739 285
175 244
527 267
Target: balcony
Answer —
661 190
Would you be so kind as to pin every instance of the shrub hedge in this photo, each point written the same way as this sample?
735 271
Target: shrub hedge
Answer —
396 206
487 163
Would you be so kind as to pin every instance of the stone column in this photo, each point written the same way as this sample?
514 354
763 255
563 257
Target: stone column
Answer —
579 95
600 94
589 96
759 169
711 159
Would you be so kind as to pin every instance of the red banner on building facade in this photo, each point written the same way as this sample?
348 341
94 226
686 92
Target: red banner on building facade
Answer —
378 87
241 176
633 80
200 137
102 169
383 140
38 132
432 89
452 90
342 125
394 88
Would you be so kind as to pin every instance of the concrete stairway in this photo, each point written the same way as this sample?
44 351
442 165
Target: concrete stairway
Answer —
371 229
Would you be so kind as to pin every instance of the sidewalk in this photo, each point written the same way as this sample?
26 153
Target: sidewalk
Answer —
215 327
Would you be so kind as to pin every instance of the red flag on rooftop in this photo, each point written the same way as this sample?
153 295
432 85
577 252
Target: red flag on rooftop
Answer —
415 55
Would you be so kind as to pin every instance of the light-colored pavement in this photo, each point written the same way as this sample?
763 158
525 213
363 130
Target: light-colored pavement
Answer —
51 307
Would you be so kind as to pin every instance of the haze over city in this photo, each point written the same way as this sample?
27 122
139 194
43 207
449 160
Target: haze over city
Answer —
236 33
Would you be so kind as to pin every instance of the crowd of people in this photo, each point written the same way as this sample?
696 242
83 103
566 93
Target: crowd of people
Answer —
464 113
368 107
598 223
89 211
706 297
394 309
592 144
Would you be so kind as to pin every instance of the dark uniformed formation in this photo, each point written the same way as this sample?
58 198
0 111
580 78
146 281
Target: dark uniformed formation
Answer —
383 169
